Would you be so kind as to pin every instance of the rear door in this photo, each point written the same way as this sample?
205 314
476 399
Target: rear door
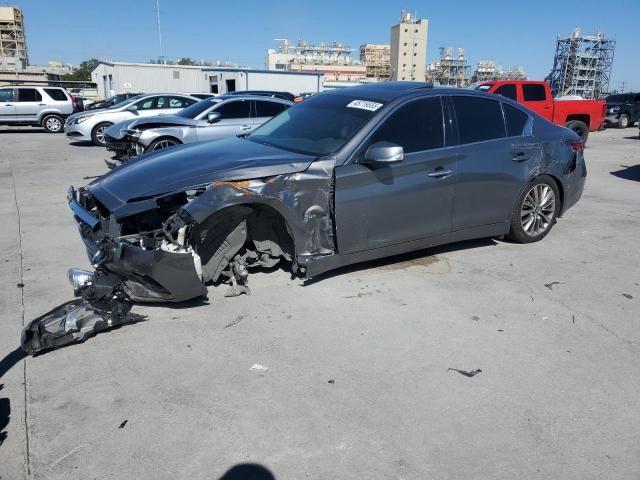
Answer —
534 96
495 160
264 110
235 119
28 104
386 204
7 105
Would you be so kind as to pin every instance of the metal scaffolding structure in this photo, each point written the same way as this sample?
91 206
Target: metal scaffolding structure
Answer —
13 45
488 70
450 70
582 65
377 59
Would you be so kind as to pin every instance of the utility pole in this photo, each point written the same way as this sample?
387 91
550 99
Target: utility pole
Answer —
162 59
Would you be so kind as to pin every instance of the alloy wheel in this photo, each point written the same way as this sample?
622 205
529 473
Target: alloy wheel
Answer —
53 124
538 209
100 134
164 144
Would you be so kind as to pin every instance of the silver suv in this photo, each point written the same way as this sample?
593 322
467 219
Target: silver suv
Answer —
44 106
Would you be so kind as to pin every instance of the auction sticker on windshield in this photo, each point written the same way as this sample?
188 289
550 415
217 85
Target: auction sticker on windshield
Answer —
364 105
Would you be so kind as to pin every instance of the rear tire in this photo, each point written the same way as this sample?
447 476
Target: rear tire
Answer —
53 124
623 121
535 211
580 128
97 134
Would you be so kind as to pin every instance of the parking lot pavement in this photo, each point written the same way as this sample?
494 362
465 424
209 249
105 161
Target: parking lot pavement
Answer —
356 381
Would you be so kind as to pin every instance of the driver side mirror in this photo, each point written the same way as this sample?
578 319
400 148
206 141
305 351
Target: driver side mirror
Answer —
132 108
384 152
214 117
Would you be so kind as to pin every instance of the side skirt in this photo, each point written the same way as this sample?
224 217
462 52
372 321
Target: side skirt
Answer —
315 267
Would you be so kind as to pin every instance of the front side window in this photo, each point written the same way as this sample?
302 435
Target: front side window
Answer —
269 109
516 120
534 92
415 126
508 90
235 109
6 94
318 126
148 104
478 119
29 95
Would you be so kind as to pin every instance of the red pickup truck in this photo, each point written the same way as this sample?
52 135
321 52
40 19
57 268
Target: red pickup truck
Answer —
581 116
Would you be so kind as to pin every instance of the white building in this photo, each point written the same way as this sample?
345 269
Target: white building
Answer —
120 77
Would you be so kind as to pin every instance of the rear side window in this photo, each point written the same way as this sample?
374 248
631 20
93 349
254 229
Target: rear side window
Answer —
508 90
235 109
478 119
180 102
415 126
56 94
29 95
516 120
269 109
534 92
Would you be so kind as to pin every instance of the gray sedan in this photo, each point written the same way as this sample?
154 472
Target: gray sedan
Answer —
209 119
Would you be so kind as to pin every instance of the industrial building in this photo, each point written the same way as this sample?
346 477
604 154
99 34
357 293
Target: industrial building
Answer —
408 56
13 43
582 65
451 70
121 77
488 70
377 60
334 61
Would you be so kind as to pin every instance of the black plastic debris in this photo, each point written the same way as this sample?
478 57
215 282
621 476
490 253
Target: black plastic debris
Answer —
20 285
123 424
550 285
332 381
465 373
74 322
627 295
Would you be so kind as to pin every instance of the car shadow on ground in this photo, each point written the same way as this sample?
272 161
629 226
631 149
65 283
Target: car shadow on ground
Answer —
22 130
628 172
420 257
5 416
634 137
82 144
248 471
10 360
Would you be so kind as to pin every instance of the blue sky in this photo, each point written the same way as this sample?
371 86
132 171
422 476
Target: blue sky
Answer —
510 32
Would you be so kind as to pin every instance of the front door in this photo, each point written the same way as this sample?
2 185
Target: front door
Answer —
235 119
29 104
7 106
378 205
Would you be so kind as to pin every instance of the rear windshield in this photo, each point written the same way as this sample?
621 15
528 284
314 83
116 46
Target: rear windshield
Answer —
318 126
197 108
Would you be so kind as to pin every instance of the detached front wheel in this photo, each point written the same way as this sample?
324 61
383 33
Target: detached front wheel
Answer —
535 211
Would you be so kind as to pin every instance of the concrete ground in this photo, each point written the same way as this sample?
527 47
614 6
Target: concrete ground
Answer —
358 384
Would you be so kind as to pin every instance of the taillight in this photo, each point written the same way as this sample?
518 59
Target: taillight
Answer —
577 145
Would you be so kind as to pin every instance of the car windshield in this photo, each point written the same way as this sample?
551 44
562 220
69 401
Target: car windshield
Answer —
197 108
124 102
319 126
618 98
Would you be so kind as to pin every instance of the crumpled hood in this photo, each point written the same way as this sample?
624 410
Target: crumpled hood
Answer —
179 168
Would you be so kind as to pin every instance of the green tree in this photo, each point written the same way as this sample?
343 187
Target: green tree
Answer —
83 72
186 61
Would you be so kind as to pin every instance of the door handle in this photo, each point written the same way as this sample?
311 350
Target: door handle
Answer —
42 104
8 104
440 173
520 157
245 127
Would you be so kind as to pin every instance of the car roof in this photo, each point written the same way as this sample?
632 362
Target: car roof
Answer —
251 97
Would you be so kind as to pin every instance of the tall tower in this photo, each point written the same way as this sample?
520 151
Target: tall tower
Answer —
13 44
409 48
582 65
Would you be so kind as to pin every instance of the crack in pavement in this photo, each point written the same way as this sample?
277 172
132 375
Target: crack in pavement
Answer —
24 369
